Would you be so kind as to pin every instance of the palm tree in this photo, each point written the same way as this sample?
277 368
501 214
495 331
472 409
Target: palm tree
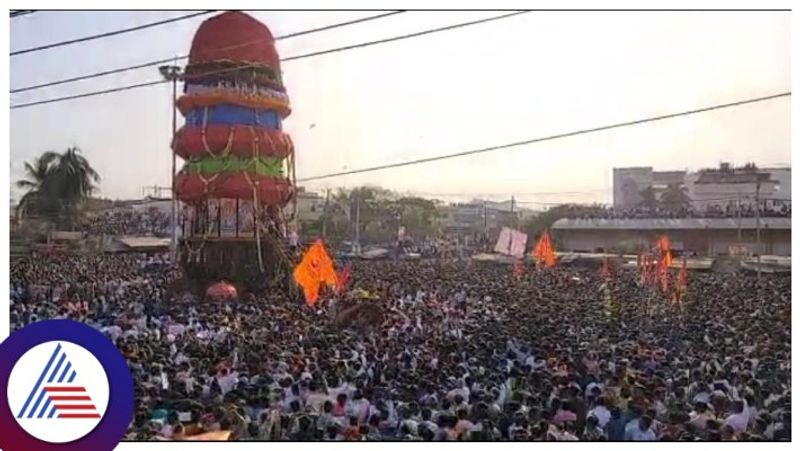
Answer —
58 184
649 200
675 197
36 174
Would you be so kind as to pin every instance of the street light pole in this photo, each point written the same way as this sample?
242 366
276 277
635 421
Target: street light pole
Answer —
173 73
758 228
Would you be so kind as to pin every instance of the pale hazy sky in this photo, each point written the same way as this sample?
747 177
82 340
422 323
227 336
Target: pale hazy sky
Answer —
533 75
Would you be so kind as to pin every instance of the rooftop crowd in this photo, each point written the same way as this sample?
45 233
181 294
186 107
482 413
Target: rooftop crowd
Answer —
463 352
783 210
128 222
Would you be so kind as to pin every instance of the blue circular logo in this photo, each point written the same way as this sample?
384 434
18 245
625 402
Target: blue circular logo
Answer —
66 387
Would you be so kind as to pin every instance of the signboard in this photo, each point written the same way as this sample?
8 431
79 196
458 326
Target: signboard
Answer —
227 217
739 250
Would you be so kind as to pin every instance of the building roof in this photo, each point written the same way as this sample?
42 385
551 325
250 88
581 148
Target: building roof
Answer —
66 236
143 242
671 224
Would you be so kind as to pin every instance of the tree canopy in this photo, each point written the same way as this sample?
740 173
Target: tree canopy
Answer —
57 185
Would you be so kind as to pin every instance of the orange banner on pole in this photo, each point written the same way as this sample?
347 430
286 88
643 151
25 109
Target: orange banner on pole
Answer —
606 271
343 278
519 268
544 253
681 283
315 269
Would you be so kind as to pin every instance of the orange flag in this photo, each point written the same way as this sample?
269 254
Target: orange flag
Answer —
544 253
519 268
606 271
680 284
343 278
315 269
683 275
664 246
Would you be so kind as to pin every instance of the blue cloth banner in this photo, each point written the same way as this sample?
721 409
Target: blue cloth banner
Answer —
235 115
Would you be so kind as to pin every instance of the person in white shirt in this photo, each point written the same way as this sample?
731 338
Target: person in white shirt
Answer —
640 431
739 419
600 412
316 398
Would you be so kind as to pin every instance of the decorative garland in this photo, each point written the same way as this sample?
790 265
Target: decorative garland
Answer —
217 96
239 140
233 115
270 190
259 165
243 90
233 70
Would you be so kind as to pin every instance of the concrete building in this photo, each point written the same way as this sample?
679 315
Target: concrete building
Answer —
630 182
701 236
722 187
727 186
475 217
310 205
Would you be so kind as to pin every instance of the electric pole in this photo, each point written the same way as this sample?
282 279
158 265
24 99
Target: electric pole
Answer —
758 228
325 214
173 73
357 241
485 227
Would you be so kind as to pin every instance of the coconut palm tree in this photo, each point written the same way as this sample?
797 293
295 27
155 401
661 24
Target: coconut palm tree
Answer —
36 174
58 184
649 200
675 197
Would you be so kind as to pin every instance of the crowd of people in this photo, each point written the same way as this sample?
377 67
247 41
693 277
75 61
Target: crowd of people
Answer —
128 222
463 351
731 210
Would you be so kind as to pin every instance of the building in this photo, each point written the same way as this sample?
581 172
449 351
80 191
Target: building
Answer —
722 188
629 183
310 205
726 187
701 236
476 217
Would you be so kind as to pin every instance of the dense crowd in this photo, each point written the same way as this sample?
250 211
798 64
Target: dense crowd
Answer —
464 351
128 222
778 210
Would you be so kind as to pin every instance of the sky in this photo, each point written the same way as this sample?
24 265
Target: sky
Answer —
532 75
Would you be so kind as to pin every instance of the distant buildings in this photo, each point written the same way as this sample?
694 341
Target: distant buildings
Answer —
630 183
310 205
722 219
725 187
479 216
701 236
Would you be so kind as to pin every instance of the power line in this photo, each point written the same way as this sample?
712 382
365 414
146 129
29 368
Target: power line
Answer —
406 36
292 58
506 194
108 34
546 138
89 94
22 12
183 57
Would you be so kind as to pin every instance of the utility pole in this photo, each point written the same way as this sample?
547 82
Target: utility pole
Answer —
357 241
739 216
513 215
173 73
325 214
485 227
758 228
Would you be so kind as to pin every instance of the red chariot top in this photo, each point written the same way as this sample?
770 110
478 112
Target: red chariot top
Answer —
234 36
